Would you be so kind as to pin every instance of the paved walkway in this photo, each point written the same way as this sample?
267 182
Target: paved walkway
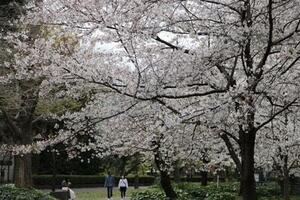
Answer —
93 189
100 193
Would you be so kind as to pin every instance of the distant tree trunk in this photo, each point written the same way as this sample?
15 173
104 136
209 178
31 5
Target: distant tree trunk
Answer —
204 180
177 172
23 171
286 180
53 170
136 181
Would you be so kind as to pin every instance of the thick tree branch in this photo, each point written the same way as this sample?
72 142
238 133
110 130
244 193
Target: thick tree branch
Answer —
232 152
172 46
275 114
13 127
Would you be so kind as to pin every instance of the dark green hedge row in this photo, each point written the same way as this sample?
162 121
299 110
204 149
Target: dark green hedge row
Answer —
10 192
45 181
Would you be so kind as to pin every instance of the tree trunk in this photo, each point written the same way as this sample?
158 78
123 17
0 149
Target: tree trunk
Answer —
247 171
165 182
22 170
53 170
177 172
204 178
136 181
165 179
286 188
241 187
286 181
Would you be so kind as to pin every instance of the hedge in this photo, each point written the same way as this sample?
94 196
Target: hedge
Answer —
10 192
45 181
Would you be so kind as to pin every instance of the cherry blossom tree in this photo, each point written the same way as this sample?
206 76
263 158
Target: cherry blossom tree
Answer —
230 66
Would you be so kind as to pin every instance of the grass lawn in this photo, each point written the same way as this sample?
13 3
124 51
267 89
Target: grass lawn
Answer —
100 194
292 198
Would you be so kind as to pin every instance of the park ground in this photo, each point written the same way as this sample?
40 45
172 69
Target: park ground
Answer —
100 193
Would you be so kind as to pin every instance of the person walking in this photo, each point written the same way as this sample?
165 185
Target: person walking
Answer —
123 185
66 187
109 184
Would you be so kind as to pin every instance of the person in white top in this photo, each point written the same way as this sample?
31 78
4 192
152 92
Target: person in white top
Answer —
66 187
123 185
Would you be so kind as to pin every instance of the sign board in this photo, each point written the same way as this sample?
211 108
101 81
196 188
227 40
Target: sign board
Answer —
256 177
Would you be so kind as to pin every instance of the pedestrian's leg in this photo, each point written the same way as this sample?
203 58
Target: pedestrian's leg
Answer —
108 192
122 192
111 191
125 192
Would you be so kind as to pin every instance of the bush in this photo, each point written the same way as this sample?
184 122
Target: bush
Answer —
225 191
156 194
220 196
224 187
194 191
10 192
268 190
148 195
190 191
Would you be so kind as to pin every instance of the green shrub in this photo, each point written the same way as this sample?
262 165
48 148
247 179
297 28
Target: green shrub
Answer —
268 191
148 195
224 187
10 192
193 191
220 196
155 194
196 193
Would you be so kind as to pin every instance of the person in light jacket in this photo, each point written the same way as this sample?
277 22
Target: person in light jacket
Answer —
109 184
123 185
66 187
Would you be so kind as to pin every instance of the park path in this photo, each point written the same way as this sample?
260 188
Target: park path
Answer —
99 193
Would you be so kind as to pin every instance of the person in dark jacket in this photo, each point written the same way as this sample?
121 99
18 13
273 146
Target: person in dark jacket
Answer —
109 184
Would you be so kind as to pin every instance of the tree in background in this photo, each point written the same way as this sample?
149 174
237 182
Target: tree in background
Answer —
279 150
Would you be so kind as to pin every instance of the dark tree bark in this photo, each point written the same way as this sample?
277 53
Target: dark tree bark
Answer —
286 180
165 182
247 174
165 179
23 171
204 178
176 172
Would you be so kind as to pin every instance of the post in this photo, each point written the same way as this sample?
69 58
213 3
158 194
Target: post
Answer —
53 169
